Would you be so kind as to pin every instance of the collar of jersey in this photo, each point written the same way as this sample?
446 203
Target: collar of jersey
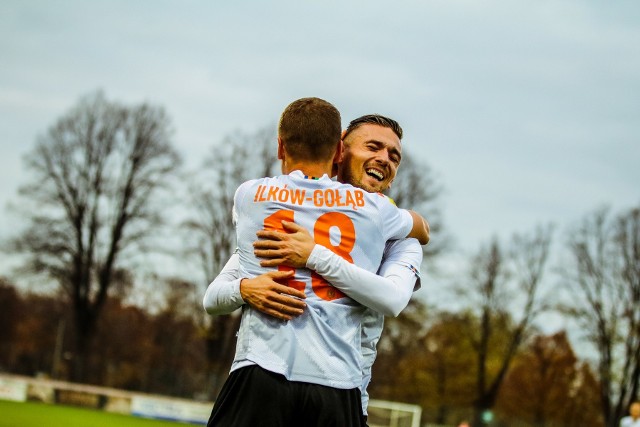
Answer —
300 175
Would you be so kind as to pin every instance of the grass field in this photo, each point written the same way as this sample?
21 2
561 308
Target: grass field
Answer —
29 414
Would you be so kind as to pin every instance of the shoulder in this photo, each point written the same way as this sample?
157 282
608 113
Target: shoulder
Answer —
250 183
379 200
248 188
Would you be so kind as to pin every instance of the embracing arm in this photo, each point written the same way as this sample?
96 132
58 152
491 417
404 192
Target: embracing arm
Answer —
223 294
420 228
387 293
228 292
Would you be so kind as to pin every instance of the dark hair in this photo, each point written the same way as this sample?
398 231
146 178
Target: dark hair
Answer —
310 129
374 119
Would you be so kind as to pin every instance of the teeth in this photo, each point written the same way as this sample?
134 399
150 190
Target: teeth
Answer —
377 174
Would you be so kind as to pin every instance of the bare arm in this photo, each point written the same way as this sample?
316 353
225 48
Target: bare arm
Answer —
420 228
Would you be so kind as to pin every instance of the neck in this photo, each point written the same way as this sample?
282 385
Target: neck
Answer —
307 168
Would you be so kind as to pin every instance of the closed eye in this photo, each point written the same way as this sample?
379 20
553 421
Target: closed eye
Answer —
374 146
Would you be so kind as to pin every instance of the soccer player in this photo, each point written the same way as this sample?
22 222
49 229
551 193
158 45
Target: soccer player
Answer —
372 154
633 419
306 371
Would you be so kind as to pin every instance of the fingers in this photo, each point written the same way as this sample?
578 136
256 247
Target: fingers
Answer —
270 235
285 294
266 244
280 274
288 304
292 227
284 307
284 312
270 260
266 294
269 249
271 254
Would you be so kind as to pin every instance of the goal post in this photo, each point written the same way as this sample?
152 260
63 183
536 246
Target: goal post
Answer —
383 413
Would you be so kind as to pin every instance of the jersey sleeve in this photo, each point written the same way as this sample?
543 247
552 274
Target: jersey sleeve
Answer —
396 223
238 198
403 258
387 293
223 294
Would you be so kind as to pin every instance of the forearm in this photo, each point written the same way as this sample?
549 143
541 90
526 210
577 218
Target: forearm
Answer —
223 294
420 228
388 295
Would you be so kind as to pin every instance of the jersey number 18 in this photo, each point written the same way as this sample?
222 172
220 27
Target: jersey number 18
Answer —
321 228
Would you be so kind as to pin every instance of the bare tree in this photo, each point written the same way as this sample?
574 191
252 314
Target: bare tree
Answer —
210 235
603 279
95 177
237 158
503 289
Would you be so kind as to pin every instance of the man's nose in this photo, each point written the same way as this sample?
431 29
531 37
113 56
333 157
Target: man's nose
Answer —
382 157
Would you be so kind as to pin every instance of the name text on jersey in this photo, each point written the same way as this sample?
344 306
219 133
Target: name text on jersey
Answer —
329 197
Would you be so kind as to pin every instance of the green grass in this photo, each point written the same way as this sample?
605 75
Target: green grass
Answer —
30 414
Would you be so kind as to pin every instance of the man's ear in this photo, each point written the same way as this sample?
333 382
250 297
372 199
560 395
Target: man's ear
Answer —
344 132
337 158
280 149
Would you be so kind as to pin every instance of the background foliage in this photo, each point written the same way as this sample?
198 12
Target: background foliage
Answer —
107 193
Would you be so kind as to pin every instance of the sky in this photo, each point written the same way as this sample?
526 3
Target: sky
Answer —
527 112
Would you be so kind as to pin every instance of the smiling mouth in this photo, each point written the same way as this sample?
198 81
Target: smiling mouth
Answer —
376 174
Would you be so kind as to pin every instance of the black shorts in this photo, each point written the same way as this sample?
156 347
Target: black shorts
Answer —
255 397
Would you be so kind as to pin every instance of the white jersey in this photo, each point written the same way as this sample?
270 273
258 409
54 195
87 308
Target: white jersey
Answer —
388 293
629 422
322 345
401 260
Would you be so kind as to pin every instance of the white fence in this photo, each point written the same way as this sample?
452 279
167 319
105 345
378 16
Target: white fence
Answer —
19 388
